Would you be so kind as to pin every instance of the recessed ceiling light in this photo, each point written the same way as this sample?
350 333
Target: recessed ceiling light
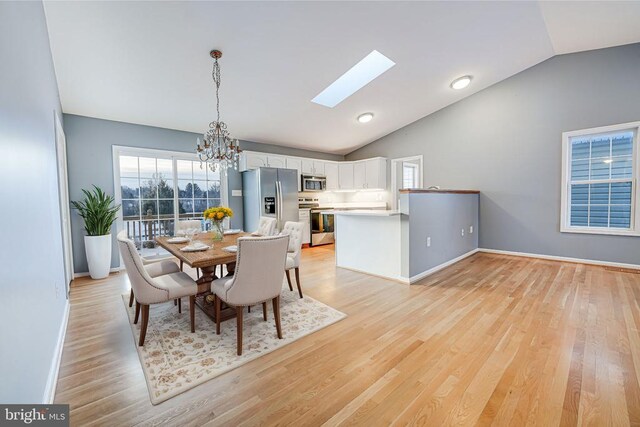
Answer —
355 79
365 118
461 82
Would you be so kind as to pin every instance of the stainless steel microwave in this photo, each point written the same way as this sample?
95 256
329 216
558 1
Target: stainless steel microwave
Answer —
314 183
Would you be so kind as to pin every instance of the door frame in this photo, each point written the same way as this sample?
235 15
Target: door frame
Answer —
394 181
63 197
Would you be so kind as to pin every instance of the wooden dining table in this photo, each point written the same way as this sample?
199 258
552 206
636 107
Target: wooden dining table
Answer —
207 261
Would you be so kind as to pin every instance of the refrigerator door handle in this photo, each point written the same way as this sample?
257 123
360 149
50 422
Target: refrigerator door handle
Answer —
278 204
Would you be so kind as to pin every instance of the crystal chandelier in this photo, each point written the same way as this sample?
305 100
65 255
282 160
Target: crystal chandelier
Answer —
218 149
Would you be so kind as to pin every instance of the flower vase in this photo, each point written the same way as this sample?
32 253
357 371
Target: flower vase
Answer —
216 230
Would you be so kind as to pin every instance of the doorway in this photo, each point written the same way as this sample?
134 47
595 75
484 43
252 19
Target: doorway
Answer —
406 172
63 192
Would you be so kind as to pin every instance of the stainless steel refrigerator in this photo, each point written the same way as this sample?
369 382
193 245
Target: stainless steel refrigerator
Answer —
269 192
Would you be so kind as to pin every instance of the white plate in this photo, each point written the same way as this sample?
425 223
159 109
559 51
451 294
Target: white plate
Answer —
177 239
195 249
235 231
233 248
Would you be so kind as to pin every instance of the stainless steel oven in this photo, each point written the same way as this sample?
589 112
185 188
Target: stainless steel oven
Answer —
322 228
313 183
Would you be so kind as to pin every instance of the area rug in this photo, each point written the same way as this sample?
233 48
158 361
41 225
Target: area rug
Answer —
175 360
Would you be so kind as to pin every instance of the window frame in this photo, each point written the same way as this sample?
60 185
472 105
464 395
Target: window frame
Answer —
119 150
415 171
565 211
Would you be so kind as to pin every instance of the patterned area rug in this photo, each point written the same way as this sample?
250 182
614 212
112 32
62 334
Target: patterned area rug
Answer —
175 360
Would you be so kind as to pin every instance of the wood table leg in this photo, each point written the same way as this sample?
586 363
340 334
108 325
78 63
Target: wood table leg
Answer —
207 305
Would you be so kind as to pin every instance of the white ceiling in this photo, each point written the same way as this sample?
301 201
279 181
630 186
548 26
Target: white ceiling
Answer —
148 62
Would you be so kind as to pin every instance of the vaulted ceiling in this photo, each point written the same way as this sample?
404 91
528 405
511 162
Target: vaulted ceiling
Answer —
148 62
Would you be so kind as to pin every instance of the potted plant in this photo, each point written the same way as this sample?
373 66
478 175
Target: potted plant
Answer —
217 215
99 213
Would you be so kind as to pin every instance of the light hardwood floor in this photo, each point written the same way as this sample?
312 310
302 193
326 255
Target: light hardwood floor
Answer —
492 339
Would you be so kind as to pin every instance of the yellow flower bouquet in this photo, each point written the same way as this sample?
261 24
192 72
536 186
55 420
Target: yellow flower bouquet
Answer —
216 215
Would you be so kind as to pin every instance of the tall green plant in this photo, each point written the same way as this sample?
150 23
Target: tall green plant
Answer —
97 211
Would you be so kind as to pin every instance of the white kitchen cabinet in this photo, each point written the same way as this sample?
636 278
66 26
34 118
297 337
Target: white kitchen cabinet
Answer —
307 166
318 168
359 175
304 216
250 160
276 161
376 173
332 174
345 176
312 167
295 163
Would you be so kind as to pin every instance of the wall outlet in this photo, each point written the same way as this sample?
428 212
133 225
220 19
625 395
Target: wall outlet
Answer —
428 241
462 232
57 291
471 229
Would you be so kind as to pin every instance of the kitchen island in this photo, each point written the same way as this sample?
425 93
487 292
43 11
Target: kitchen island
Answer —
431 230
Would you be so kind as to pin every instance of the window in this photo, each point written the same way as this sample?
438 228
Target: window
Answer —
157 188
599 192
409 175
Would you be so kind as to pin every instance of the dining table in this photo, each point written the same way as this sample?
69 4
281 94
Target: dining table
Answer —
207 261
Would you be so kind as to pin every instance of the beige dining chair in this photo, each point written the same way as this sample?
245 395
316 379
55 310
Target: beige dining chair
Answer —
257 279
154 290
295 231
154 268
266 226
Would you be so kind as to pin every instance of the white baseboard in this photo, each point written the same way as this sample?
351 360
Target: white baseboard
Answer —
86 273
382 276
565 259
439 267
52 380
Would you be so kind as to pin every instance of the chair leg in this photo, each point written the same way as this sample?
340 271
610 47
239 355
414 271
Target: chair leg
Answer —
131 298
276 314
198 273
298 281
179 305
192 312
218 304
248 309
239 311
175 302
289 280
135 319
264 311
181 265
145 322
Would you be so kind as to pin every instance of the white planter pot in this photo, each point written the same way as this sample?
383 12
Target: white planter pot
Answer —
98 250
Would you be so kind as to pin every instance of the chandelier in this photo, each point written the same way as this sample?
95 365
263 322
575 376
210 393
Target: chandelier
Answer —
218 150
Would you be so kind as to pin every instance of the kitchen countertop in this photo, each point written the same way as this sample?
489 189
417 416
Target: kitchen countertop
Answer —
362 212
422 190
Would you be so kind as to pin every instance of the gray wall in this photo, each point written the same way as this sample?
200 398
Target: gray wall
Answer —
32 264
441 217
89 152
506 142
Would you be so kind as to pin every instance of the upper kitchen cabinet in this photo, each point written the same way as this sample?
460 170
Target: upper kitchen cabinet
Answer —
345 176
312 167
331 172
252 160
295 163
370 174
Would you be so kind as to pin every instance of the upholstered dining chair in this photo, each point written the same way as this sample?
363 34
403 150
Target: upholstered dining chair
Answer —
257 279
266 226
154 290
295 231
154 268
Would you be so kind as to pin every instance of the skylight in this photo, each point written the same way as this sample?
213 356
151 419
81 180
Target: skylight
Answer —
353 80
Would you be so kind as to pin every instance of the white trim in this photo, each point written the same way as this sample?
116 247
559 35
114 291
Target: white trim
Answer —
565 226
86 273
398 279
394 183
63 200
420 276
52 379
563 259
